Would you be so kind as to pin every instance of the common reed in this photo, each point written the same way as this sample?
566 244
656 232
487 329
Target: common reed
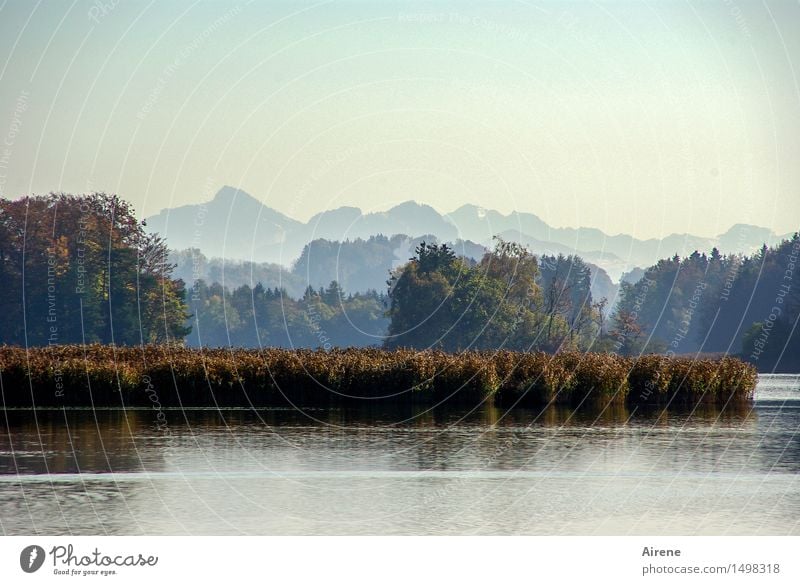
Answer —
176 376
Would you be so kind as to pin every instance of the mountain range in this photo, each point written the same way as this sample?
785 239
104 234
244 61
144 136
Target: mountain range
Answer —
234 225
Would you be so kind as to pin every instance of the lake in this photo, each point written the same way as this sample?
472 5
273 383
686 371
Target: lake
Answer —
485 471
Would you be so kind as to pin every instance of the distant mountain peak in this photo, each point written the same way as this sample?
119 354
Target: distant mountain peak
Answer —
411 206
470 207
344 210
738 227
236 225
228 194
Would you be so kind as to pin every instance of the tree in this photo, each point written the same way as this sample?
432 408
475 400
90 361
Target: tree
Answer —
82 269
506 300
627 333
421 295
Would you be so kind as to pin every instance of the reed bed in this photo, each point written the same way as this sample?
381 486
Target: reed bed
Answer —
176 376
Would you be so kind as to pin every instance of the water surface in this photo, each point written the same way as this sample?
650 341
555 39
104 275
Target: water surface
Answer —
486 471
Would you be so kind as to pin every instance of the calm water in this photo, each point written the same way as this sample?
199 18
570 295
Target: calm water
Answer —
345 472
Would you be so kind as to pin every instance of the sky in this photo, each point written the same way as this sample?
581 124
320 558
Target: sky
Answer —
645 118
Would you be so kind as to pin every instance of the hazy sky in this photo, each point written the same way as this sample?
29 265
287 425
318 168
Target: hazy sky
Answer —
643 118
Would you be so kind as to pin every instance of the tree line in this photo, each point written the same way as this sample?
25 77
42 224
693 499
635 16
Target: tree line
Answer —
83 269
716 304
269 317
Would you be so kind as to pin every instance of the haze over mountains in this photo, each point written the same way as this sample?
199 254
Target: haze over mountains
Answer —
236 226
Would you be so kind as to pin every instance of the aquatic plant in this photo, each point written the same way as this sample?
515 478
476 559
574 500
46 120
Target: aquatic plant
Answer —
177 376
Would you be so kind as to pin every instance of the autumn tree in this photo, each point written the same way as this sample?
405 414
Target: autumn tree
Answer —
82 269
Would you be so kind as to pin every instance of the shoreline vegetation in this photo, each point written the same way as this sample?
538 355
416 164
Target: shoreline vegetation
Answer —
84 270
174 376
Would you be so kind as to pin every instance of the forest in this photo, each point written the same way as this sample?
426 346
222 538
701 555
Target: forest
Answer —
83 269
715 303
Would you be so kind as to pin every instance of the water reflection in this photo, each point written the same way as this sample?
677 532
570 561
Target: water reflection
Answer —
42 442
486 470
